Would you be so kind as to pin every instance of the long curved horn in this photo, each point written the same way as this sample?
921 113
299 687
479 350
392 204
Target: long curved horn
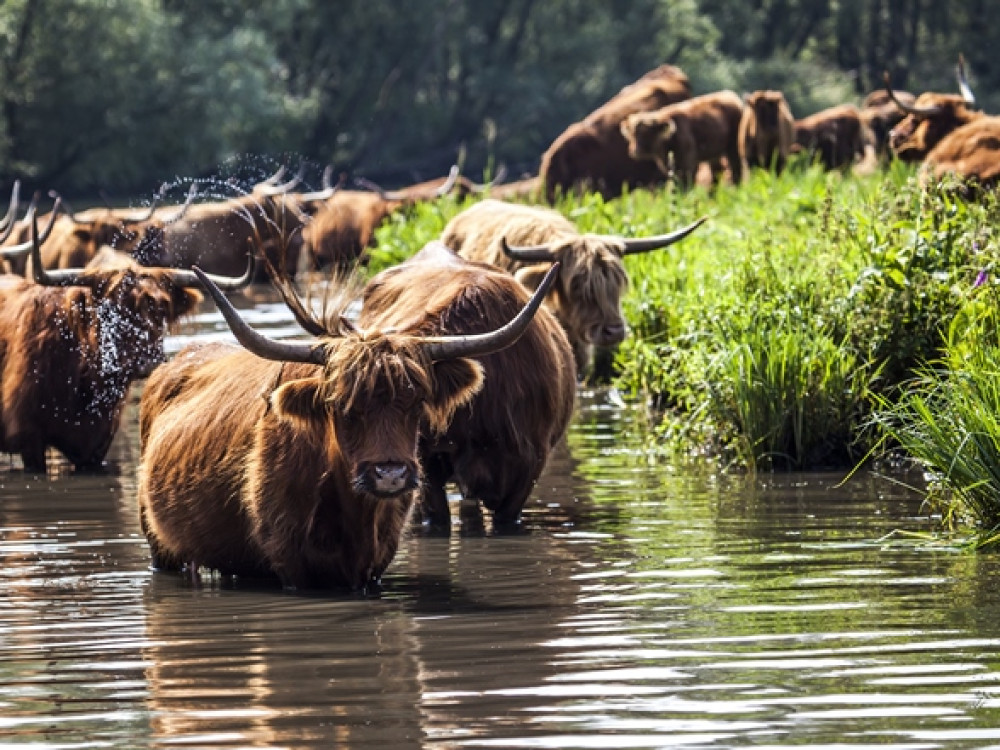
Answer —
273 179
645 244
498 178
475 345
527 253
192 194
909 108
403 195
7 223
15 251
187 278
447 185
257 343
963 84
157 196
66 207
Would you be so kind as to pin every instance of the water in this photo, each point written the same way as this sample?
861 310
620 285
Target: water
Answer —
643 607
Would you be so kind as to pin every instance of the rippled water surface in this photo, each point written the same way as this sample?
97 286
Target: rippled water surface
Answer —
642 607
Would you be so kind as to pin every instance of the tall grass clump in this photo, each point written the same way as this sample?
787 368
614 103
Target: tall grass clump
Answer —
948 420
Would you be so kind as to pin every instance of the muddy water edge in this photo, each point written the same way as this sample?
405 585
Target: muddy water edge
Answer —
642 605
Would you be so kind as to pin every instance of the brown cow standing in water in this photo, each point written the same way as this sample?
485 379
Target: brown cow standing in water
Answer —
526 240
592 154
767 131
703 129
299 460
497 445
71 344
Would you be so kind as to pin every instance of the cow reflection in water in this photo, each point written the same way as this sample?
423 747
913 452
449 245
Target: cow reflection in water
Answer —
71 345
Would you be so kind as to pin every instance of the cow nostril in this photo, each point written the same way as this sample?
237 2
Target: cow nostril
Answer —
391 472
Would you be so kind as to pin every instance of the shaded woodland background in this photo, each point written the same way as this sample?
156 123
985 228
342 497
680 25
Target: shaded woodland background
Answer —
121 95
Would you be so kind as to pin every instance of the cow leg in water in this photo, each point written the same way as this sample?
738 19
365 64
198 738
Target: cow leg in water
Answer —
433 498
33 457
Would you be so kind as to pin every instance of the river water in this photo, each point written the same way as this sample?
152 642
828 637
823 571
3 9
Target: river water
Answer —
642 606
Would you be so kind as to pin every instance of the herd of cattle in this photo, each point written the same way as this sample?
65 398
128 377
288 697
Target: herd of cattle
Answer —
303 460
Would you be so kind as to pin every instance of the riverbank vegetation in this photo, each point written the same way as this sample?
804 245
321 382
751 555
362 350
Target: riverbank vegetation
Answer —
818 320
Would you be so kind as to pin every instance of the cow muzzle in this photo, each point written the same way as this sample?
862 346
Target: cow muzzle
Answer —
387 479
608 334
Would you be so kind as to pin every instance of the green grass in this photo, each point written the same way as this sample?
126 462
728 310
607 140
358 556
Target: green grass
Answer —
781 333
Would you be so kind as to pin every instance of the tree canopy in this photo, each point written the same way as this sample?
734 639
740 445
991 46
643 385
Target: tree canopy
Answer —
120 95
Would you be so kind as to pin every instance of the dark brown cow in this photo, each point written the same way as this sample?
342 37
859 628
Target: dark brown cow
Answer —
343 227
767 131
678 137
834 136
930 118
593 154
586 299
497 445
881 115
971 152
70 347
299 459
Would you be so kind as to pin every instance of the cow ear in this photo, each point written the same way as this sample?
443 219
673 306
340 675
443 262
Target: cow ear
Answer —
296 400
184 301
531 276
456 382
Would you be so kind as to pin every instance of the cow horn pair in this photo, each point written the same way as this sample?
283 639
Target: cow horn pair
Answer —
544 253
7 223
401 195
437 348
145 216
15 251
74 277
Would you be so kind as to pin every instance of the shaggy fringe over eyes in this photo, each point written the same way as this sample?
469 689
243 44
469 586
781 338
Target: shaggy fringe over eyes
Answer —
359 365
602 275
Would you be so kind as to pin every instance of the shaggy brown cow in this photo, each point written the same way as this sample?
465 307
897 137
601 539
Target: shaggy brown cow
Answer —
586 299
299 459
767 131
70 347
343 226
592 154
498 444
835 136
881 115
971 152
930 118
703 129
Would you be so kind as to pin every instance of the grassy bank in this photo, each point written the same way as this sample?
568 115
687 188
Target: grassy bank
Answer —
791 329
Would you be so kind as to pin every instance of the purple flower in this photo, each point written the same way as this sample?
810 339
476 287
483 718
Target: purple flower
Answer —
981 278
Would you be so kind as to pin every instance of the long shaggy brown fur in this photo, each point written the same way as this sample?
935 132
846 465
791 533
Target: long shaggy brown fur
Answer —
971 152
497 445
915 135
69 356
835 136
767 131
593 153
702 129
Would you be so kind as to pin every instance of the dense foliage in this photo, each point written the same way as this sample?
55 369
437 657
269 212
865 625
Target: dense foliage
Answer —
121 95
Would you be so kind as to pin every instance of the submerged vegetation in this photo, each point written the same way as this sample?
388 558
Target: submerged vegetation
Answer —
816 321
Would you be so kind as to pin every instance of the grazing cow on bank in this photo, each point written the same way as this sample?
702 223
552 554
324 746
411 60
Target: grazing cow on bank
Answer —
526 240
767 131
343 226
835 136
496 445
592 154
678 137
299 459
930 118
971 152
71 344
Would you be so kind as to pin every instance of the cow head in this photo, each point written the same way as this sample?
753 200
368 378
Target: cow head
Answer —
374 389
767 106
648 134
129 308
930 118
587 294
